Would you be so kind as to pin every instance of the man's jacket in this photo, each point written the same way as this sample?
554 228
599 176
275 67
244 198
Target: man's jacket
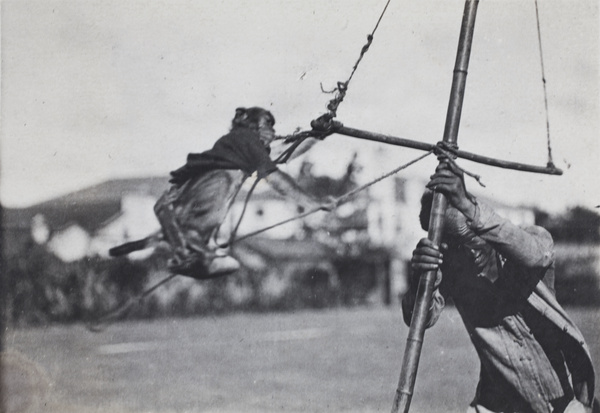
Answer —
502 283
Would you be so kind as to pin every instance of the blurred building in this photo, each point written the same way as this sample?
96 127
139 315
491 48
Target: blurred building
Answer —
90 221
87 222
384 218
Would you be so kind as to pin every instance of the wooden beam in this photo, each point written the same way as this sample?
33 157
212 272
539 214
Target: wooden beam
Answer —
408 143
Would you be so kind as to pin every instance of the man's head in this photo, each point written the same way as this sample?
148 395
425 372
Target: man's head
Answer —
257 119
456 229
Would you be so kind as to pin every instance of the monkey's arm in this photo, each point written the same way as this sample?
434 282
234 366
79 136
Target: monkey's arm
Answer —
286 186
300 150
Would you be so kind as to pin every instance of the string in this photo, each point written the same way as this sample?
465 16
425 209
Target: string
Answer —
548 142
103 321
333 204
342 87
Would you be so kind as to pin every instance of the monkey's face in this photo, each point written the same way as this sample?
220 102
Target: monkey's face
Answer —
257 119
265 129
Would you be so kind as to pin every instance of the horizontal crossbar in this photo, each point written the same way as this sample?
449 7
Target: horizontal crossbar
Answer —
393 140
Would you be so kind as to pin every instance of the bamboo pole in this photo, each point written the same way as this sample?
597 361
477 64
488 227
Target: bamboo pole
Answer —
424 146
416 332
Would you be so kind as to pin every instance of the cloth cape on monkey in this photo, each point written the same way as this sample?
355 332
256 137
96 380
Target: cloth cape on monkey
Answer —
240 149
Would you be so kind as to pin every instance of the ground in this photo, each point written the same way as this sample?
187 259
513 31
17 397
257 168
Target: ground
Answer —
329 361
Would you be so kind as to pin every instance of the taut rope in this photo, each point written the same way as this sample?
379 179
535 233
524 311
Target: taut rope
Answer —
548 143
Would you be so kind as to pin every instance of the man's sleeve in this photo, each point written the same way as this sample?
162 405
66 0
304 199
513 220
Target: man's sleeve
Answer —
532 246
437 305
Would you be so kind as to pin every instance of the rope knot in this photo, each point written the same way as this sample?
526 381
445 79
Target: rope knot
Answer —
449 152
325 125
322 127
446 150
342 87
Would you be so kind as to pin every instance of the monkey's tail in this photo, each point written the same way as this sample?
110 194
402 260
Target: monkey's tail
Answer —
132 246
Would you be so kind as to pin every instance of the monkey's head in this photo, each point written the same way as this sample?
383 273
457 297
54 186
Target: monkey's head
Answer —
257 119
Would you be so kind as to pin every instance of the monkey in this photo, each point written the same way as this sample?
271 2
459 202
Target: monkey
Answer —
192 209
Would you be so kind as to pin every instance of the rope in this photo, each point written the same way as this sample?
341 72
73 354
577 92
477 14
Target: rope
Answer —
442 149
237 225
285 155
333 204
449 151
105 320
342 87
323 126
381 178
548 143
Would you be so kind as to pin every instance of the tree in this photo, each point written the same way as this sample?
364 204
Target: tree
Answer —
578 224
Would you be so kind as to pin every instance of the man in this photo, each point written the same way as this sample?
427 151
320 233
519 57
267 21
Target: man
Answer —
501 280
202 191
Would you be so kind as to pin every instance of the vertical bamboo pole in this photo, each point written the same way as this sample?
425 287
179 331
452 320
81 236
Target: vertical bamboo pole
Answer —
414 342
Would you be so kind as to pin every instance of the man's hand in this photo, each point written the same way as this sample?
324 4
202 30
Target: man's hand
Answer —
426 257
450 181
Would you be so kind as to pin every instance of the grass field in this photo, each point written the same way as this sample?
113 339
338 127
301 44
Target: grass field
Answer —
329 361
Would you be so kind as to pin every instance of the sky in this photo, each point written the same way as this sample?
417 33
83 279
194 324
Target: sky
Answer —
101 89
